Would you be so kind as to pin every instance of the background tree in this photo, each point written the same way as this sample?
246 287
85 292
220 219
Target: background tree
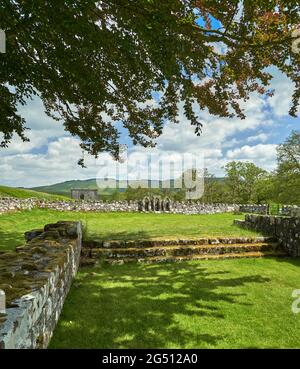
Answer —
288 170
96 64
135 193
114 196
264 190
213 189
241 181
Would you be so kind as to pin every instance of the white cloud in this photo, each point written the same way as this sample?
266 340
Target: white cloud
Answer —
252 152
260 137
280 103
261 155
17 146
41 129
52 154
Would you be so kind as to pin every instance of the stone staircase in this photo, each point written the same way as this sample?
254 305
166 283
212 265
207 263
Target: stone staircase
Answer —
157 251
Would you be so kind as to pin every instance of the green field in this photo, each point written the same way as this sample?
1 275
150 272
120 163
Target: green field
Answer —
121 226
243 303
21 193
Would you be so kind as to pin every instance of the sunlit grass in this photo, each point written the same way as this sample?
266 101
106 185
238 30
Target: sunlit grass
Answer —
229 303
243 303
121 225
22 193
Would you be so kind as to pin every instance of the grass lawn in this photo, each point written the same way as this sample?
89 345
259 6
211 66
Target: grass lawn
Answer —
243 303
224 303
121 225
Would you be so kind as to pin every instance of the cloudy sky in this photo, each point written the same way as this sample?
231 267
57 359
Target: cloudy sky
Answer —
52 154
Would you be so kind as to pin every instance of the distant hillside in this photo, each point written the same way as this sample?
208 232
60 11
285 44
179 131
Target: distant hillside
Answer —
21 193
64 188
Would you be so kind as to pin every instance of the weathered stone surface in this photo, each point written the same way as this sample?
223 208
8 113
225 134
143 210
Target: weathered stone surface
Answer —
32 234
185 250
36 281
93 245
286 229
157 251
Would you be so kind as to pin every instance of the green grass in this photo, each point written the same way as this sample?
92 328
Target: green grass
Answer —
120 225
21 193
243 303
225 303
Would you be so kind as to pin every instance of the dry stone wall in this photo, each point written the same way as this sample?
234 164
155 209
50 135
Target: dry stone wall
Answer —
200 208
10 204
257 209
36 280
287 210
286 229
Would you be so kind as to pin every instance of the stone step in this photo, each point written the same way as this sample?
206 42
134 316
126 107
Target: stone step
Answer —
117 244
175 250
164 259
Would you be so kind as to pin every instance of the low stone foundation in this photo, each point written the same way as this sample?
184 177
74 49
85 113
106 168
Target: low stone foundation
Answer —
36 280
287 230
177 250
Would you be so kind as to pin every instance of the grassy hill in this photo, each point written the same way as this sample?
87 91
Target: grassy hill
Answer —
64 188
21 193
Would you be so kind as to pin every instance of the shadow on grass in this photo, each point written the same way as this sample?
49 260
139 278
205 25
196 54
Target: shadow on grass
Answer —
289 260
154 306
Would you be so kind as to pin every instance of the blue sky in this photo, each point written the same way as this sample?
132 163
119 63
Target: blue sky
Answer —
52 154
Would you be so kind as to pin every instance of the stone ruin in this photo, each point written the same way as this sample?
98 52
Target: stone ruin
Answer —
84 194
155 204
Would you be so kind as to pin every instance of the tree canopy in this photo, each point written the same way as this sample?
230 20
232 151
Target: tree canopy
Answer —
99 65
241 178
